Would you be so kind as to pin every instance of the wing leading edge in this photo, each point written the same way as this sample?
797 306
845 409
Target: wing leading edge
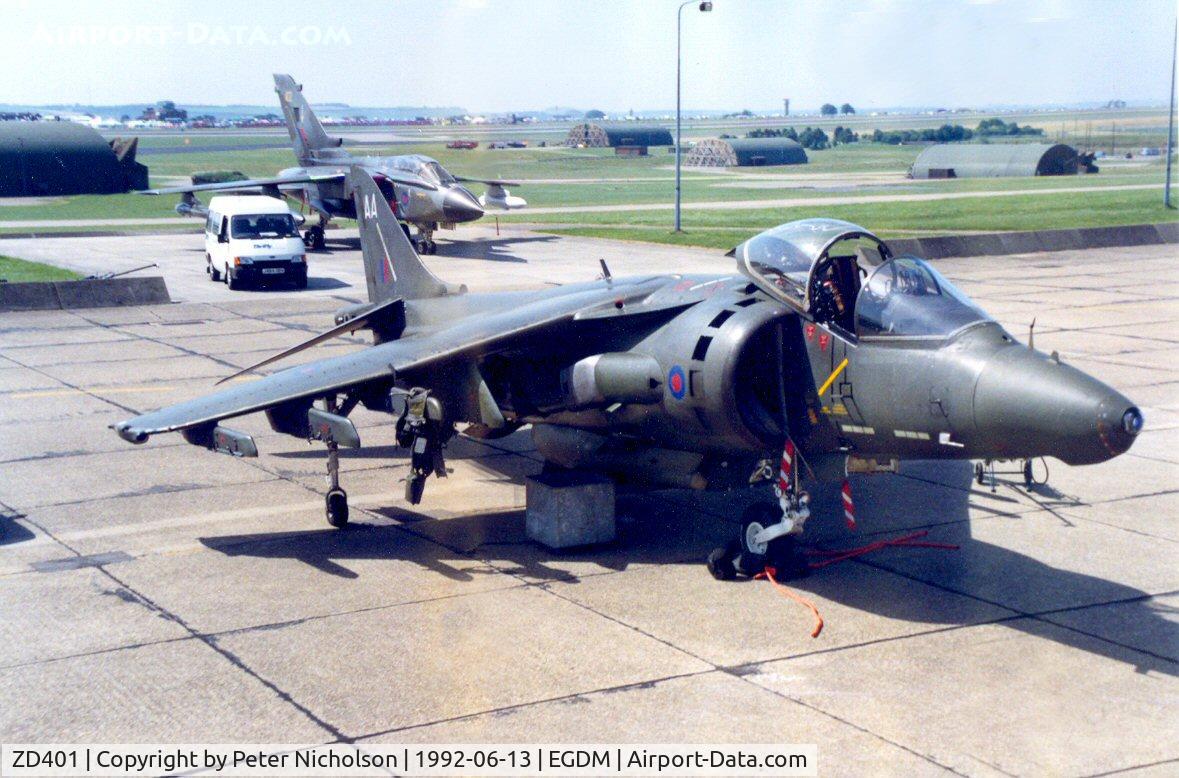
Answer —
255 184
485 329
475 334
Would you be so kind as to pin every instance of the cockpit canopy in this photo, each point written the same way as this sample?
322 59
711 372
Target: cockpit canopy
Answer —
424 167
782 261
907 297
840 274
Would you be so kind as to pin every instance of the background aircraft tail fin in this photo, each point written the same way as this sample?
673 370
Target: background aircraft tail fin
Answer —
307 134
391 266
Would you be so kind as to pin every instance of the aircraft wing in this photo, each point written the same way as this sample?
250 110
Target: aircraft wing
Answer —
253 184
249 184
479 333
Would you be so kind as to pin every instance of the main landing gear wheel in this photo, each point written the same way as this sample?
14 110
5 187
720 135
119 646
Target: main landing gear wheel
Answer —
426 246
313 239
337 507
979 473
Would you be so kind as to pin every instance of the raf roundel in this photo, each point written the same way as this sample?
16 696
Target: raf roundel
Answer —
677 382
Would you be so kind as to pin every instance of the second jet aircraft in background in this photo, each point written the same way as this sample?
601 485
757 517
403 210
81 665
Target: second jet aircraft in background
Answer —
418 189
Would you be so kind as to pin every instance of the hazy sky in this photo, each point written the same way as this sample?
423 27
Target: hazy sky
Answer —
488 55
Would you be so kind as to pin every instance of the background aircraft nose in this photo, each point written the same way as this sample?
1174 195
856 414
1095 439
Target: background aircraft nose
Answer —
459 205
1026 405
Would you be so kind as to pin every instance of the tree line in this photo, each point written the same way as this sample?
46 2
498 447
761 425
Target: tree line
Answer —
810 137
815 138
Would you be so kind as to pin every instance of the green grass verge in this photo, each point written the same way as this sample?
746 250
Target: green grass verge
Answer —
16 270
726 228
831 173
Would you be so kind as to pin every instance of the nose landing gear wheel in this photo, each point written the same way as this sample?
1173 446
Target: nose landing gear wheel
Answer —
337 507
753 556
748 557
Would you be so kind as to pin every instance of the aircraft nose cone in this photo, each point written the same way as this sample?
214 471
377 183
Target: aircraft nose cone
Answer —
459 205
1120 423
1028 405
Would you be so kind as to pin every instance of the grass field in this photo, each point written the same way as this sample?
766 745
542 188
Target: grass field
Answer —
560 177
15 271
726 228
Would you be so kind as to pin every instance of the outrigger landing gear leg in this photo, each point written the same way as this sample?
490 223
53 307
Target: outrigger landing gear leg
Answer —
336 501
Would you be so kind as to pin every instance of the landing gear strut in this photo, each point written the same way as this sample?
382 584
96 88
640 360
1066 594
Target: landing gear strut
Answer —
985 471
336 501
420 429
424 242
313 237
769 533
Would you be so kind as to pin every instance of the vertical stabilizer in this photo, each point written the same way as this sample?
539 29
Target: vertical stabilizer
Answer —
391 266
307 134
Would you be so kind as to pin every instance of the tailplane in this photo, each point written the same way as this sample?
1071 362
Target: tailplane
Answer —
391 266
310 140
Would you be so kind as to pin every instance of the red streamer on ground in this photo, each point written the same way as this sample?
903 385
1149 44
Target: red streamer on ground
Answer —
909 541
768 575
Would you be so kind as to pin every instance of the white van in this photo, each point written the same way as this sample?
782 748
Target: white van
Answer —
252 239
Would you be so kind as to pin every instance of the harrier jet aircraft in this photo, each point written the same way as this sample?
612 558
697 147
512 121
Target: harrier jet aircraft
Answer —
419 190
822 349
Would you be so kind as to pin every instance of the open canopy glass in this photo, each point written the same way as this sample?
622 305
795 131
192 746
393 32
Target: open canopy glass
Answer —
782 260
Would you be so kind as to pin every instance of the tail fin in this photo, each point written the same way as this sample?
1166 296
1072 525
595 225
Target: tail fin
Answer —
307 134
391 266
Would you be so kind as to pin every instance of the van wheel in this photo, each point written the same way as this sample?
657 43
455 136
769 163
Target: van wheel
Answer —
214 273
231 279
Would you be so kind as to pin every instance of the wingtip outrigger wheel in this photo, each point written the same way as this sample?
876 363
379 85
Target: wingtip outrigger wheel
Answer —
331 429
337 507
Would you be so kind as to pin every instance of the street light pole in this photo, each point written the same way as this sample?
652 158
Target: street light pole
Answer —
679 23
1171 119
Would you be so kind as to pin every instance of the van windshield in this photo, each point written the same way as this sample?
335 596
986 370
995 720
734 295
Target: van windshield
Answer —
264 225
